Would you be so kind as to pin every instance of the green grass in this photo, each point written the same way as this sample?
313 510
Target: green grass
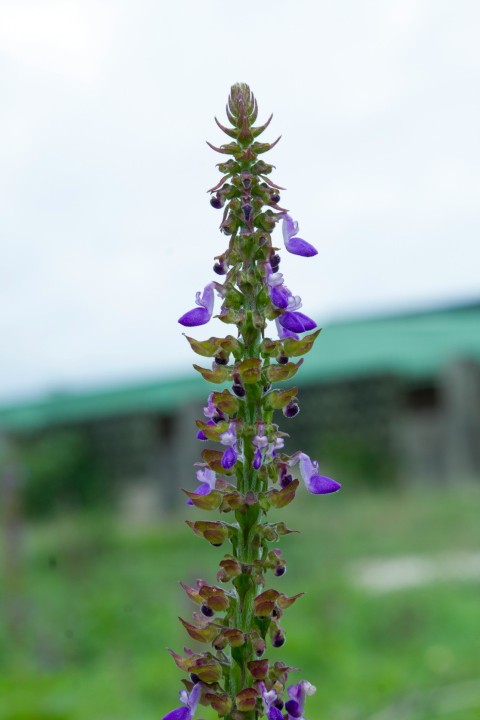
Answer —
100 602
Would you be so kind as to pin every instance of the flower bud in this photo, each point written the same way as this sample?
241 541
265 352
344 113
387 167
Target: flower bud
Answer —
258 668
230 568
235 637
278 639
208 612
247 210
217 201
265 222
239 390
222 704
220 267
221 360
259 645
291 409
274 262
247 699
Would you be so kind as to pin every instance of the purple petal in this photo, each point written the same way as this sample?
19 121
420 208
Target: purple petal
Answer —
283 333
229 458
183 713
207 476
197 316
297 246
295 691
293 709
289 227
296 322
274 714
194 698
279 296
321 485
203 489
257 459
208 298
307 469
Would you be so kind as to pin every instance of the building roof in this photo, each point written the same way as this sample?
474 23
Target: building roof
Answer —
415 345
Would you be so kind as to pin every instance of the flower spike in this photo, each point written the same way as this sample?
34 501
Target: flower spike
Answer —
244 469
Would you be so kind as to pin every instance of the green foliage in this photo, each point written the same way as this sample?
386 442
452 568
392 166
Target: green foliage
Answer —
60 471
364 462
99 600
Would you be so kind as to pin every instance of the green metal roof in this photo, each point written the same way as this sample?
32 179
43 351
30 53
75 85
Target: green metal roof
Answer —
414 345
408 345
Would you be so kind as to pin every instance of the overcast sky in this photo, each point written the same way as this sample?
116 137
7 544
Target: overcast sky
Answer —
105 227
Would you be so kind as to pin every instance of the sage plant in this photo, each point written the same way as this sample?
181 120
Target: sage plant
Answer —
249 473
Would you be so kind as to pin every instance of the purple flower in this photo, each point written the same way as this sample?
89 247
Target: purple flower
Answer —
296 705
229 458
277 444
316 484
210 410
296 322
260 441
191 701
207 479
284 333
201 314
295 245
269 697
280 295
257 459
229 438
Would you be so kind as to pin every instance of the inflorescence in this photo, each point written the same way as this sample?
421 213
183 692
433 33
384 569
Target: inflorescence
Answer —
249 473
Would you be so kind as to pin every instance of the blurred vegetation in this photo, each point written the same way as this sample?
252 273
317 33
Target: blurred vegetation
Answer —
61 472
363 461
99 601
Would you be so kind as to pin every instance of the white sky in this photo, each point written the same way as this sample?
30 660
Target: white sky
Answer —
105 227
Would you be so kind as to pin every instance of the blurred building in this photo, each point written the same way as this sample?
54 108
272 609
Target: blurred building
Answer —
394 398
